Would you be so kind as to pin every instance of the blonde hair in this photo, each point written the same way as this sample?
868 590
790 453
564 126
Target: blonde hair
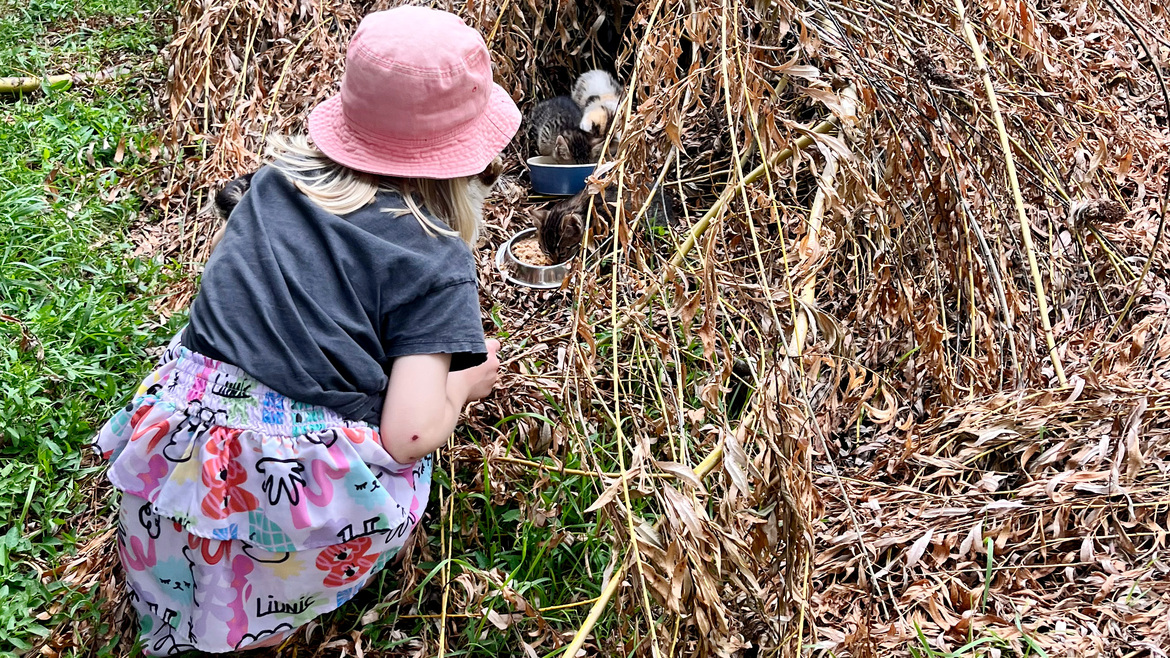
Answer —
340 190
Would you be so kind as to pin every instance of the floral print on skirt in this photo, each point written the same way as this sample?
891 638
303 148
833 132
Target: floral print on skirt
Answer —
245 514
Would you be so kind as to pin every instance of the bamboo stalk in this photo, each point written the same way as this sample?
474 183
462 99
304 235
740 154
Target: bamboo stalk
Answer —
595 612
29 83
701 226
468 615
499 17
715 457
1013 180
447 538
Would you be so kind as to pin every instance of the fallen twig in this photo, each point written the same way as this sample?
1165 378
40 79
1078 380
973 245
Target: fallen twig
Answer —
30 83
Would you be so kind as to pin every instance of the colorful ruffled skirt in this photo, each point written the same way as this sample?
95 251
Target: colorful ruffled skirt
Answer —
245 514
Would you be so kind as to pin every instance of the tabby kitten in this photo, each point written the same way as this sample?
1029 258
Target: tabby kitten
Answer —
226 200
559 228
597 93
229 197
554 129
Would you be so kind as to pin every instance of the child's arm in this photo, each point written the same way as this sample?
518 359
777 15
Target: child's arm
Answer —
424 398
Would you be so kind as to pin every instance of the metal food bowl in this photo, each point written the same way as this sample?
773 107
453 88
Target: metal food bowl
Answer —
558 179
520 273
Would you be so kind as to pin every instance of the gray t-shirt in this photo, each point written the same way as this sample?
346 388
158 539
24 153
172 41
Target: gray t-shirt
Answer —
317 306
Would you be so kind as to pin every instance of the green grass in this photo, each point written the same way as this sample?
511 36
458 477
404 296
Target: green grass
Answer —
75 314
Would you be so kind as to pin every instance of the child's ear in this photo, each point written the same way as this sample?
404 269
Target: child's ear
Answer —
538 216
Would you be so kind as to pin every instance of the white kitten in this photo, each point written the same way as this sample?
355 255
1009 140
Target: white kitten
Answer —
597 93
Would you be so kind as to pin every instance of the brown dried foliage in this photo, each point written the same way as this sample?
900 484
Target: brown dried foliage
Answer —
917 435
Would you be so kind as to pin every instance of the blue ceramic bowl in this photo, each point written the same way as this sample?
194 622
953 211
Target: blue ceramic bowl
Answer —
558 179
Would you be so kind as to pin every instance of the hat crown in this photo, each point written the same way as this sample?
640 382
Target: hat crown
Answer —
417 99
414 73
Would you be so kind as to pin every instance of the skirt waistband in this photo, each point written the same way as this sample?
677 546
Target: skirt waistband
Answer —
214 393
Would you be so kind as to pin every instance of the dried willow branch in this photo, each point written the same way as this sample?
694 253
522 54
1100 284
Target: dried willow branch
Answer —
1009 161
702 470
704 222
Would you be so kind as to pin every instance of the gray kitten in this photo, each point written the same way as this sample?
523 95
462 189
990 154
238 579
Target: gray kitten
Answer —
554 129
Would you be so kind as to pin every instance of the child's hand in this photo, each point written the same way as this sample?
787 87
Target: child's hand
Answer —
482 378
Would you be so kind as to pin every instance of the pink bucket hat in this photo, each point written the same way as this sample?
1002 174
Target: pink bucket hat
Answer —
417 99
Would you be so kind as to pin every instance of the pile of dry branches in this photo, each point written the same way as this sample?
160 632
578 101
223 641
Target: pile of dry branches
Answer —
924 239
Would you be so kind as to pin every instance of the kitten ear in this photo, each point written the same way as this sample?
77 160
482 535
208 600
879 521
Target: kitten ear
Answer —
538 216
491 174
595 149
595 122
572 229
572 226
561 152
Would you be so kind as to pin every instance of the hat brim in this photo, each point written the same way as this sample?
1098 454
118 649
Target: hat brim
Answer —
463 152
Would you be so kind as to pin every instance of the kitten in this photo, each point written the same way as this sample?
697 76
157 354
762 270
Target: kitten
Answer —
225 201
559 228
479 188
553 128
597 93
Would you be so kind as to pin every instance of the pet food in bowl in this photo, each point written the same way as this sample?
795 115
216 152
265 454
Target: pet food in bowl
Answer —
528 251
558 179
521 261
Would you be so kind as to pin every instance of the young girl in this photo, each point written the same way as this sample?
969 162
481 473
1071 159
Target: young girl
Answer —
278 458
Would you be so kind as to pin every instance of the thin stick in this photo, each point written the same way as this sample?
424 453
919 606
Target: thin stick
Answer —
447 546
704 222
572 471
468 615
595 612
1009 161
30 83
288 60
499 17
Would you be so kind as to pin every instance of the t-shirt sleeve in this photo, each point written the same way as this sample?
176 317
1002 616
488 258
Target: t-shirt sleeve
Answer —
445 320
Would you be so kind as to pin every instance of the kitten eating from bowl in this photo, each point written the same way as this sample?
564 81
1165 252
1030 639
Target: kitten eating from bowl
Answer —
571 129
560 228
